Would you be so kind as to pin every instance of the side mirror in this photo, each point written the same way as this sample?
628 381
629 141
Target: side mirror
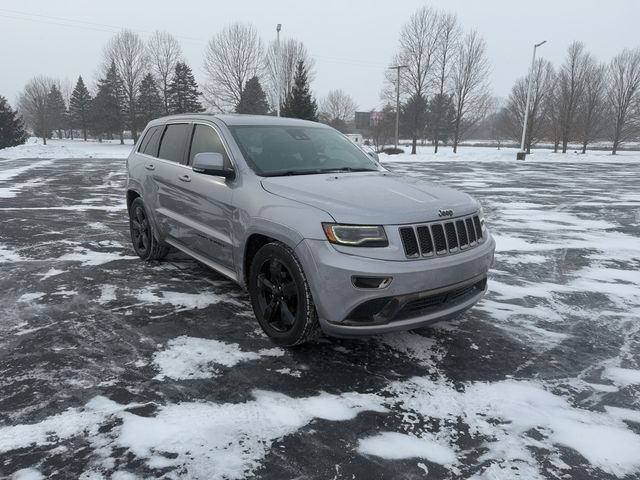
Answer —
211 163
374 155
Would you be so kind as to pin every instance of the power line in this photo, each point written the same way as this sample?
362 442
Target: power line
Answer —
109 28
73 23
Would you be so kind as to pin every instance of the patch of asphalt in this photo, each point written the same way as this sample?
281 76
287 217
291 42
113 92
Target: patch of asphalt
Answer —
83 319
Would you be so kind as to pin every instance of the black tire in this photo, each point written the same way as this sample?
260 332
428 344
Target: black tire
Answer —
143 237
281 297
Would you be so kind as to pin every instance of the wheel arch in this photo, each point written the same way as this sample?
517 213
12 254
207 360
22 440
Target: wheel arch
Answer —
256 238
131 196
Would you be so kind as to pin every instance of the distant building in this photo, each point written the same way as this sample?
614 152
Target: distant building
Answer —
363 120
376 118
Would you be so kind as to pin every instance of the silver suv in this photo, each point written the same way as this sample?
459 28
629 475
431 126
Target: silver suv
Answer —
319 233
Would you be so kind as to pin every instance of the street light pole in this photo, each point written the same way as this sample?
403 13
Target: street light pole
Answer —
526 110
397 68
278 68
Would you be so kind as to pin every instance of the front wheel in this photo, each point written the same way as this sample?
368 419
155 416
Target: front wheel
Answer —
281 297
143 238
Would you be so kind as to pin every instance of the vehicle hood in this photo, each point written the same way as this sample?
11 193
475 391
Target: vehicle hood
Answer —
379 198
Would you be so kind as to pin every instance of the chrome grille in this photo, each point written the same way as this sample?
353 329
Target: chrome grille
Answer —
441 238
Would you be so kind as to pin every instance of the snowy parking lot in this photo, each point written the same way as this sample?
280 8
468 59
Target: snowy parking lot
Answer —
115 368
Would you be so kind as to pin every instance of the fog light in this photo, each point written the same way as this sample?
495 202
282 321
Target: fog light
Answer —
371 282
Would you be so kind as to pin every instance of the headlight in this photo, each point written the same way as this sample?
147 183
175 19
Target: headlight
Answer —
356 235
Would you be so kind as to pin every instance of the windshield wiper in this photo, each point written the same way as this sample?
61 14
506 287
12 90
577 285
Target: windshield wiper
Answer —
285 173
316 171
347 169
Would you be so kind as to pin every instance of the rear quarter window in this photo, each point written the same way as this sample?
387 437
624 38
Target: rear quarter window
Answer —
149 144
173 142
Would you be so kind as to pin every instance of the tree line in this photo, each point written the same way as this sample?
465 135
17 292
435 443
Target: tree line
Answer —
444 88
142 81
446 95
139 82
582 101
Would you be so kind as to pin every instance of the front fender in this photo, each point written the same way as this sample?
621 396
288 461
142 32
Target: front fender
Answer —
278 225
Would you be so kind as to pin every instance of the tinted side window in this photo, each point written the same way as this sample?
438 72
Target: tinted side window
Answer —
173 142
206 139
149 145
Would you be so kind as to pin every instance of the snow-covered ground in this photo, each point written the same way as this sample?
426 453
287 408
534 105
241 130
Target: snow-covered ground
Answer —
34 148
493 154
115 368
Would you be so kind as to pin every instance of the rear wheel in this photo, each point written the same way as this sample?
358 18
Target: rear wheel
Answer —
281 297
143 238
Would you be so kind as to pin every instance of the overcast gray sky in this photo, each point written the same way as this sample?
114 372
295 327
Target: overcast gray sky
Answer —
352 41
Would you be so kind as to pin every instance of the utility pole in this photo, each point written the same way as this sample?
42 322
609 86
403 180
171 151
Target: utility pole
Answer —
522 154
278 67
397 68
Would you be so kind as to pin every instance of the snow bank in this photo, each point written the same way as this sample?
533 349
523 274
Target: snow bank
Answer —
492 154
68 149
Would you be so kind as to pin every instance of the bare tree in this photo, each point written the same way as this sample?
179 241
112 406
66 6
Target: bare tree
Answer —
471 92
591 106
281 67
164 53
446 51
543 78
417 50
570 88
66 87
623 96
128 52
551 116
337 107
383 127
34 104
233 56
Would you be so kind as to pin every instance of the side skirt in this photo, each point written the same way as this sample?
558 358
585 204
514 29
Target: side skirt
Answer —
230 274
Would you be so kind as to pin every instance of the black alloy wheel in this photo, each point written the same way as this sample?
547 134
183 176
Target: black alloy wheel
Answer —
277 295
140 230
281 297
143 237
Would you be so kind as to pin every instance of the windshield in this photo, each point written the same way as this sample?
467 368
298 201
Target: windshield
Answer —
280 150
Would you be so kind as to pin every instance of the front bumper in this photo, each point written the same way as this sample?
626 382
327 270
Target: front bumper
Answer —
433 289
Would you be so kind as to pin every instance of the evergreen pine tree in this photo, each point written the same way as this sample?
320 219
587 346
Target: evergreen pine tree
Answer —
413 115
299 103
11 128
106 108
253 99
79 106
183 91
440 117
149 103
57 109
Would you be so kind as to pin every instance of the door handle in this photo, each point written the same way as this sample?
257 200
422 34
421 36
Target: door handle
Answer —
149 166
184 178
